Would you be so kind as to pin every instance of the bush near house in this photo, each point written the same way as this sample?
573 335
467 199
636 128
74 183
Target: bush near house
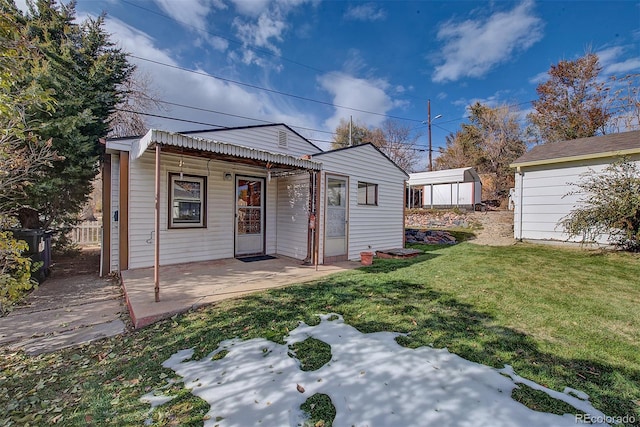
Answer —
15 271
610 204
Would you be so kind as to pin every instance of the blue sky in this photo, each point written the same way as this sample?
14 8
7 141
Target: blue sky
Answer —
311 63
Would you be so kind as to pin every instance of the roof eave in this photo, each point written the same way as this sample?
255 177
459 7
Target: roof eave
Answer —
567 159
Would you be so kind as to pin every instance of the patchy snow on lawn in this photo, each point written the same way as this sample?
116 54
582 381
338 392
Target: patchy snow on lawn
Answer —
371 379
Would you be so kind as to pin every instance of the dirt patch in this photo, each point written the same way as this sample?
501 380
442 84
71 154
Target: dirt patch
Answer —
491 227
496 228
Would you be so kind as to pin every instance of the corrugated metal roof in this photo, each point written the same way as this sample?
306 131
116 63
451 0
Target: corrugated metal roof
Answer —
583 148
446 176
155 136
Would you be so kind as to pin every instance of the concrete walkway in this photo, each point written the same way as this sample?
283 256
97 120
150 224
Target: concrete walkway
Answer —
67 309
191 285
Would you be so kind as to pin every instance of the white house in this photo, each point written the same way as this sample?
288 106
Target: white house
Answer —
459 187
172 198
544 177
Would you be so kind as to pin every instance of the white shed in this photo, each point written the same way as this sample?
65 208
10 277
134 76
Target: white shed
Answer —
172 198
544 176
460 187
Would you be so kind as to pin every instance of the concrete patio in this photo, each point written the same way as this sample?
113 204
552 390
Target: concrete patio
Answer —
186 286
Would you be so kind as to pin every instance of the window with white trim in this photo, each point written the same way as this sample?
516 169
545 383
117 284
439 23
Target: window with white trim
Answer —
187 201
367 193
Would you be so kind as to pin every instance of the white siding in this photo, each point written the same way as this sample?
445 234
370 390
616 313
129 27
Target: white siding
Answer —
454 194
293 216
115 206
265 138
546 200
370 227
216 241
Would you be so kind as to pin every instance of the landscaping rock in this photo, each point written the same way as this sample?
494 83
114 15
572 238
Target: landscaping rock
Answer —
431 237
428 219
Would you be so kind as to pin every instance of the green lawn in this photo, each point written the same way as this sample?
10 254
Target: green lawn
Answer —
560 317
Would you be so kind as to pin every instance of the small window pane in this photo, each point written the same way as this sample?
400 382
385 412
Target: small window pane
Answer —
367 194
187 201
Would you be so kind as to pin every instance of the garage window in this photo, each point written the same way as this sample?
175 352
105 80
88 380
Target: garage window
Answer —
187 201
367 194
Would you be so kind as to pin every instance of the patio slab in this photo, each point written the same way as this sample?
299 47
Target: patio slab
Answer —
187 286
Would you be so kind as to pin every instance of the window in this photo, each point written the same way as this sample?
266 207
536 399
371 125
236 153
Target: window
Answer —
367 194
187 201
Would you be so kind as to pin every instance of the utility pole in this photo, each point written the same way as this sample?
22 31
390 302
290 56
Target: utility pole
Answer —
429 124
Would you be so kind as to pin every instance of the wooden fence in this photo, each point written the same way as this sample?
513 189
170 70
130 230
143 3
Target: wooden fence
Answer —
87 233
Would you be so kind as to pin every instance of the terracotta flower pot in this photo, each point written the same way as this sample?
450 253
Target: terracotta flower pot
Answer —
366 258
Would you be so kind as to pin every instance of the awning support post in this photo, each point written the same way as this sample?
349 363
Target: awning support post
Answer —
156 263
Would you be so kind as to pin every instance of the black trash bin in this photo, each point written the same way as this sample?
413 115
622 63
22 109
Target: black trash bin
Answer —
39 250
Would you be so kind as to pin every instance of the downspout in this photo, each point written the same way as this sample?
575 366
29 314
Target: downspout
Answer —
312 196
404 212
316 239
156 263
521 203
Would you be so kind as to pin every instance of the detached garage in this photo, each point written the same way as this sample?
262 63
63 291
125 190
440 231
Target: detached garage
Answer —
544 176
447 188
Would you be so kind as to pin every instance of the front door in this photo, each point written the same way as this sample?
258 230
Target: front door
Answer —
336 234
249 216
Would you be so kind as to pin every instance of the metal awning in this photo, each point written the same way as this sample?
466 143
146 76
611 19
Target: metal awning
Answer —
178 140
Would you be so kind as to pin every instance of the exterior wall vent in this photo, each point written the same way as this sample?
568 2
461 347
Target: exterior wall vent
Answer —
282 139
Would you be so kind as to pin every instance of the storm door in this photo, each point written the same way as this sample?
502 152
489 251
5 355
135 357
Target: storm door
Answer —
249 216
337 222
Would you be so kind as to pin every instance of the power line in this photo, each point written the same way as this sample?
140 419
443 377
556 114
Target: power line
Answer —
230 40
237 42
213 76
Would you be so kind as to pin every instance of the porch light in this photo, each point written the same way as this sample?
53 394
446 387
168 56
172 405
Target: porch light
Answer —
227 176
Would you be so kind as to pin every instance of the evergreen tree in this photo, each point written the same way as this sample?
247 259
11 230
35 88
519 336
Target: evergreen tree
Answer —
83 71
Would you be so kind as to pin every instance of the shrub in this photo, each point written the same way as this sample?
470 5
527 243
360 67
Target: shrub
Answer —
15 271
610 204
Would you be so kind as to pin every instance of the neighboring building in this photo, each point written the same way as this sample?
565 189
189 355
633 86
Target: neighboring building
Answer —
448 188
245 191
544 177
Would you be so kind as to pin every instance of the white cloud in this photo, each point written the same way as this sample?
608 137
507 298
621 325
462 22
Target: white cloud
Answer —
260 33
22 5
251 8
359 94
473 47
189 13
367 12
262 24
197 89
611 64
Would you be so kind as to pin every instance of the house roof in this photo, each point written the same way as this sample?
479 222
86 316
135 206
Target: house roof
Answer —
445 176
227 129
360 146
615 144
155 136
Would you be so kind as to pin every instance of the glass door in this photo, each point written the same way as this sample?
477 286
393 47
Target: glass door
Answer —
336 211
249 216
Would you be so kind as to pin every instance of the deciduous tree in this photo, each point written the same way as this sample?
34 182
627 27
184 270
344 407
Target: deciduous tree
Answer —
571 102
490 143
